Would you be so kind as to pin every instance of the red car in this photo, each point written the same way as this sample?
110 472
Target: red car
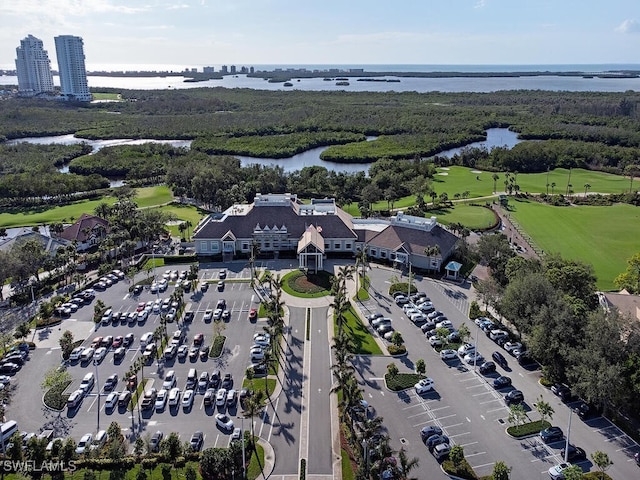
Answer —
253 314
141 306
117 342
198 339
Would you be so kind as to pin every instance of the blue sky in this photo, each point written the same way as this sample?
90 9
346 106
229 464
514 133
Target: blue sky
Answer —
185 33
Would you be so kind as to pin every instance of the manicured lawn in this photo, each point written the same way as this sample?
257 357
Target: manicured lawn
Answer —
259 384
363 341
461 179
402 381
147 196
46 216
602 236
310 285
107 96
472 217
150 196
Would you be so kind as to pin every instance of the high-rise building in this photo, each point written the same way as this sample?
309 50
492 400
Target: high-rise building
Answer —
73 75
33 67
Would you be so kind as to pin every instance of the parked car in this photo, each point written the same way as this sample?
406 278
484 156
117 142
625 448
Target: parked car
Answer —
169 380
487 367
111 401
475 357
441 451
124 398
499 359
436 341
84 443
187 399
154 443
435 440
424 385
75 354
511 346
561 391
555 472
111 382
501 382
221 397
496 334
551 434
448 354
196 441
514 397
209 397
119 353
575 453
253 314
161 399
586 410
429 431
465 349
174 396
224 422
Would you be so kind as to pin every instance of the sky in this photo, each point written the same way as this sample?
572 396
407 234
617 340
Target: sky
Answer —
140 34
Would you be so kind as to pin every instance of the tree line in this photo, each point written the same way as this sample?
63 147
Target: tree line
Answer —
553 307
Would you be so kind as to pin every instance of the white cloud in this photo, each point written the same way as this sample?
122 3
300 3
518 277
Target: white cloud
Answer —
67 7
177 7
480 4
629 26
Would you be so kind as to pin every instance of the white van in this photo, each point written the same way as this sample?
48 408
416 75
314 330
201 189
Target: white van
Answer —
87 382
146 339
107 316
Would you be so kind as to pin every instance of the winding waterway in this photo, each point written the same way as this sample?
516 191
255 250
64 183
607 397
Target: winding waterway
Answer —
496 137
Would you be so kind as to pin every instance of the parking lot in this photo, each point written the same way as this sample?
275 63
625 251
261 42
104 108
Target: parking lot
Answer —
465 404
91 412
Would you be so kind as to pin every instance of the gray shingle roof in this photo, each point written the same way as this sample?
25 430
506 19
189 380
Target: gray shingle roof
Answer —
333 226
414 240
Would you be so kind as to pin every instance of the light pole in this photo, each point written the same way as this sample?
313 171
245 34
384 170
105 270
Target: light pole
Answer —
475 348
365 447
566 445
244 460
95 364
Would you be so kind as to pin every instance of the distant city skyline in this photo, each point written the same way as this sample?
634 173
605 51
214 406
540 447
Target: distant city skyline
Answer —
148 34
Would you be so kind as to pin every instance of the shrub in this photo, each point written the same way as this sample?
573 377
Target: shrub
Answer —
396 349
402 287
474 310
402 381
216 348
54 398
545 382
463 470
527 429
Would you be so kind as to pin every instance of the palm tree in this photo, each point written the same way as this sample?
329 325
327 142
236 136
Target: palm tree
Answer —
586 187
495 178
406 464
553 185
181 228
433 196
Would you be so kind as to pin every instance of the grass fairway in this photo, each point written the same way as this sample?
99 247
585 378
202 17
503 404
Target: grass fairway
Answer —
472 217
183 213
42 216
107 96
145 197
602 236
150 196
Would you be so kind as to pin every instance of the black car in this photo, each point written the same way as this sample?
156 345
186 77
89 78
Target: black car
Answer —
586 410
575 453
9 368
501 382
137 290
561 391
551 434
499 359
487 367
111 382
227 382
430 431
196 441
514 397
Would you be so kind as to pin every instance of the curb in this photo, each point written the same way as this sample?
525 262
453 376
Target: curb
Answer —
269 458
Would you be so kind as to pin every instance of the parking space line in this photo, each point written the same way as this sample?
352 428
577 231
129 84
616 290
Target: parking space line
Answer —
426 412
473 454
446 416
440 408
460 435
483 393
453 425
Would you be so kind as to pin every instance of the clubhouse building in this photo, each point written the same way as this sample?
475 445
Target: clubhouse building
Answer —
280 224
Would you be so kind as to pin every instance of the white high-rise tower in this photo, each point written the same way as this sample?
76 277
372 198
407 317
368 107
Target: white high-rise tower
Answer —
33 67
73 75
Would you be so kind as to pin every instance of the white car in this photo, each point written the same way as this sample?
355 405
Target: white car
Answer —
261 340
221 397
187 398
84 443
224 422
169 380
100 353
476 357
75 354
424 385
111 401
257 354
174 396
556 472
171 314
444 324
161 399
5 379
436 341
208 315
448 354
217 314
466 349
511 346
496 334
